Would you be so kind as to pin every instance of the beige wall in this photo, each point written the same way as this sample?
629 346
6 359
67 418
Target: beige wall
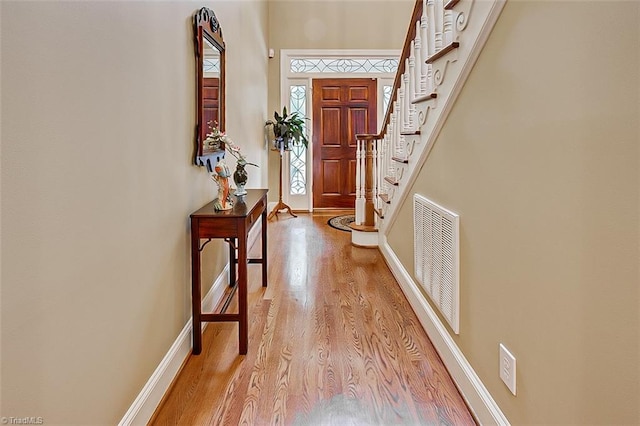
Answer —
330 24
540 159
97 184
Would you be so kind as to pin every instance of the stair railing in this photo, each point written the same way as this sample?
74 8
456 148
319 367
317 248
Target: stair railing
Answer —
431 73
430 35
400 116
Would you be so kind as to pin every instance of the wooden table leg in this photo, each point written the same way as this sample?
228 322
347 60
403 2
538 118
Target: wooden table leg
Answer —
264 248
232 262
243 332
196 292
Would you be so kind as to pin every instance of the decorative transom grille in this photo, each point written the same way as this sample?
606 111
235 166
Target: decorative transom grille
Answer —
436 248
344 65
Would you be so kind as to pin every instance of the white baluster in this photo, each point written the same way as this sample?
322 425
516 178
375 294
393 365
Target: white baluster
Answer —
363 175
447 27
399 149
431 28
363 167
391 143
360 200
376 175
374 170
402 113
412 71
358 170
387 162
396 129
358 187
406 77
395 137
383 163
424 51
418 61
439 22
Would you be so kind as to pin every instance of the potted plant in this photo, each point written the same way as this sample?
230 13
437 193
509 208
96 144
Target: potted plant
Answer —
288 129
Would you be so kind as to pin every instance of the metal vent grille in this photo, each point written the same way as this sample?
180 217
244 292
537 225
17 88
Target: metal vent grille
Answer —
436 237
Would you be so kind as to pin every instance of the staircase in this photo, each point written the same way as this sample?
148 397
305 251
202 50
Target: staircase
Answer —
443 41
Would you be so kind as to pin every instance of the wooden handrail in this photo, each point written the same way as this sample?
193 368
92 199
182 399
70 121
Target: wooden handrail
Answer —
406 52
366 137
450 4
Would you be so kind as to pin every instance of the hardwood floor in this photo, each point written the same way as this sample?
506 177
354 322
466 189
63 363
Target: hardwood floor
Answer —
332 341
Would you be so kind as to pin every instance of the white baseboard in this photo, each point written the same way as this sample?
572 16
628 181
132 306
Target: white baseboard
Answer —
147 401
471 387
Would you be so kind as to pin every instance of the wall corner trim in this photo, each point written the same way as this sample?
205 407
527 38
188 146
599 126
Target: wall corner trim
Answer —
153 391
478 398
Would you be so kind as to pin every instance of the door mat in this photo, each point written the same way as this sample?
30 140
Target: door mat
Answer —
342 222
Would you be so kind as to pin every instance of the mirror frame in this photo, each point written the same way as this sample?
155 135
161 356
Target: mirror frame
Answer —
207 27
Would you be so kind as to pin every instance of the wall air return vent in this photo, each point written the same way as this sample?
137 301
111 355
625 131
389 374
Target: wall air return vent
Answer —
436 248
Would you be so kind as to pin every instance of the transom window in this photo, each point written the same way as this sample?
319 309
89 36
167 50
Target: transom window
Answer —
298 158
343 65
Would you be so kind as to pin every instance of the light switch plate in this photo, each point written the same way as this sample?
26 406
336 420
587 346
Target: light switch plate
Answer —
508 368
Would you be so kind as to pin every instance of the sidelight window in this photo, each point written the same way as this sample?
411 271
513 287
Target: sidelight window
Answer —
298 154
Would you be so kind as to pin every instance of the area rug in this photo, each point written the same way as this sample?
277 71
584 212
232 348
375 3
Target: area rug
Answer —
342 222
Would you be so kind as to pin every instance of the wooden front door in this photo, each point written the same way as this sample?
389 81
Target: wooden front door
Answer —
342 108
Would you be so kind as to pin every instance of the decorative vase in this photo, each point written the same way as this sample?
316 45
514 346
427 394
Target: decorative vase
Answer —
277 144
240 177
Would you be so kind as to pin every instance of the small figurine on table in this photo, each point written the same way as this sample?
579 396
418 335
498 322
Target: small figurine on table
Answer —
221 176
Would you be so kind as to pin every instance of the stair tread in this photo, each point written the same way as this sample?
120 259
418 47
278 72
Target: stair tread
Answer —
410 133
391 180
363 228
454 45
400 160
384 198
423 98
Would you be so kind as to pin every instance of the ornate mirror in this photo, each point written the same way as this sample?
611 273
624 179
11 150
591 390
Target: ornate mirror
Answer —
210 95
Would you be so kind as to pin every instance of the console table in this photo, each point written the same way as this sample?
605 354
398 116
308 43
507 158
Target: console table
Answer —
233 226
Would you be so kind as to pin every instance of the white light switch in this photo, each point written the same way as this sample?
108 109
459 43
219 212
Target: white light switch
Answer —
508 368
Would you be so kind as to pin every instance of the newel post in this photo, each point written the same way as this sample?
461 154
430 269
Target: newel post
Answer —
365 180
